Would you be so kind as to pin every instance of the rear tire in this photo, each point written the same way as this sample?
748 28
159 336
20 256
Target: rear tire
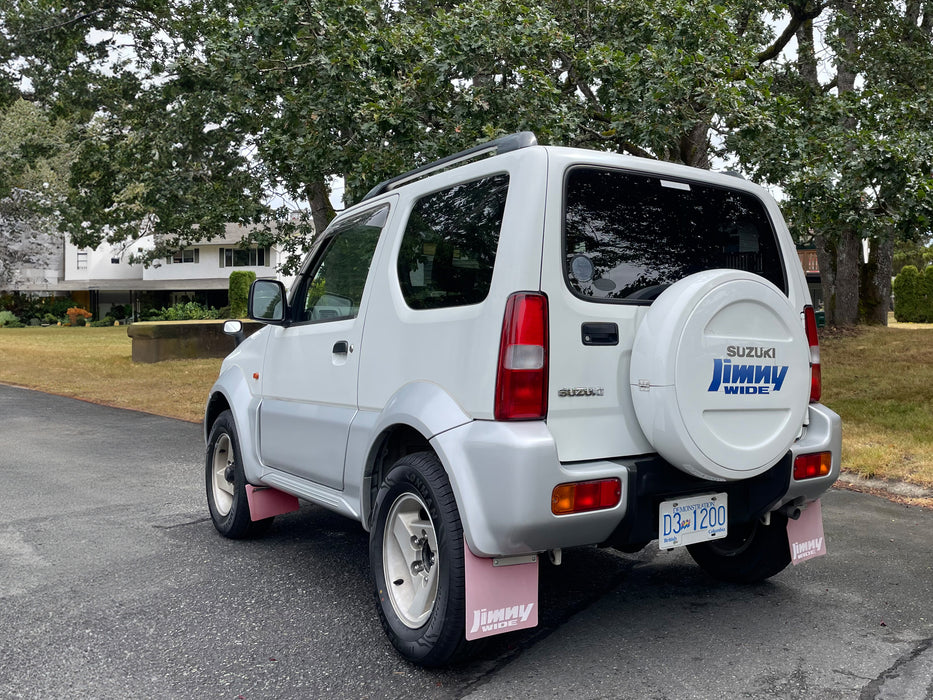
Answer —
751 552
416 558
226 483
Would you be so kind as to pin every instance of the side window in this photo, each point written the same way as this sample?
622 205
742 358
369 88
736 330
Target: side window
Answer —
332 289
449 246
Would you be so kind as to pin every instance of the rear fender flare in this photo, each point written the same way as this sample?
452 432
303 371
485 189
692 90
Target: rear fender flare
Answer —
424 407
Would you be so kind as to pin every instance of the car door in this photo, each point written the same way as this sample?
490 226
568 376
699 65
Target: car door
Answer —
311 366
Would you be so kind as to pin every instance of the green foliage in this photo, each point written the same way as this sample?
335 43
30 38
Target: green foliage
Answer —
240 281
28 307
224 103
184 311
222 99
913 295
918 254
7 318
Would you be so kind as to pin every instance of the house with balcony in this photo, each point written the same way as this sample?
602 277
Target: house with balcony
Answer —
811 268
105 277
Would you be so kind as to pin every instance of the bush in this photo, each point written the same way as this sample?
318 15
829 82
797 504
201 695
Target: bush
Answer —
27 307
121 312
190 311
8 318
239 284
913 295
78 316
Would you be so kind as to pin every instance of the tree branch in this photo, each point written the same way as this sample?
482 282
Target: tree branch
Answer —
73 20
798 15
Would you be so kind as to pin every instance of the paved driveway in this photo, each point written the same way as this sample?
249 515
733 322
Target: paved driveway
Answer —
115 585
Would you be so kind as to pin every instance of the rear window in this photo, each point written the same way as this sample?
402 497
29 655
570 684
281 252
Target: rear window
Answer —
627 236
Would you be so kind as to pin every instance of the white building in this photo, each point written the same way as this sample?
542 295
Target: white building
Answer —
103 278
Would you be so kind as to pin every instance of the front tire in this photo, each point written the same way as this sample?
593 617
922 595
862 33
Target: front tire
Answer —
751 552
416 558
226 483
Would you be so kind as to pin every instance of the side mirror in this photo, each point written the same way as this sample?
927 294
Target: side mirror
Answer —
235 329
267 302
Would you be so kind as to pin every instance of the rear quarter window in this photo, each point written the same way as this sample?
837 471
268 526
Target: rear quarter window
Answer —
449 246
627 236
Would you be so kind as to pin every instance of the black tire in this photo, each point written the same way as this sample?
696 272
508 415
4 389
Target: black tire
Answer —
415 504
751 552
226 483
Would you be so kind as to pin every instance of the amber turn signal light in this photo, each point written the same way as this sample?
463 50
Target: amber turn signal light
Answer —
813 465
583 496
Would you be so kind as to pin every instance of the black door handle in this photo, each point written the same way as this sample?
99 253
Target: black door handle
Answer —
341 347
599 334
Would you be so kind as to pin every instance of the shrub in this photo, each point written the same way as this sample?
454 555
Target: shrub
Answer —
27 307
239 284
913 295
8 318
121 311
190 311
78 316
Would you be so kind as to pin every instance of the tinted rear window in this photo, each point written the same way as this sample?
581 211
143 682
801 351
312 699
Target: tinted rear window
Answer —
627 236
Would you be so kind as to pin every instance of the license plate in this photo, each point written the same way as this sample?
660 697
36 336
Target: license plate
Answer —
684 521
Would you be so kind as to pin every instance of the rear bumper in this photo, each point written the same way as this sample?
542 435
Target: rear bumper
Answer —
503 475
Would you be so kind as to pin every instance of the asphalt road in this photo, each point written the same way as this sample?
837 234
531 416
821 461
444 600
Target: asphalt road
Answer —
114 584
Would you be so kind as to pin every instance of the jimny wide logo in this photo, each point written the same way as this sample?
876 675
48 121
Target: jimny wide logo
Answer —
746 379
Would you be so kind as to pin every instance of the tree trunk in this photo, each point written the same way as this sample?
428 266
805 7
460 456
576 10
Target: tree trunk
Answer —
839 252
875 282
693 147
321 209
839 275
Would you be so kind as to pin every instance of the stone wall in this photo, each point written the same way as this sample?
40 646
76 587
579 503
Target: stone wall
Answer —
155 341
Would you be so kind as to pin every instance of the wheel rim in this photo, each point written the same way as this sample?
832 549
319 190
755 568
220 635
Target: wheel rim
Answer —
410 560
221 469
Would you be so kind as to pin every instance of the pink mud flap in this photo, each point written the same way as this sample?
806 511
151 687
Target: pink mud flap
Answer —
265 502
500 598
805 534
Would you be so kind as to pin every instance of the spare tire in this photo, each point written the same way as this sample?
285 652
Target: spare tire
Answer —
720 374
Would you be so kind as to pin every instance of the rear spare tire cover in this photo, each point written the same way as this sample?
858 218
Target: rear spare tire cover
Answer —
720 374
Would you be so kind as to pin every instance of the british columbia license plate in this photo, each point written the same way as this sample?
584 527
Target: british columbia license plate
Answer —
684 521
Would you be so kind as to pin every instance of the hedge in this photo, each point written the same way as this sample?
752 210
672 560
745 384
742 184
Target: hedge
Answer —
913 295
240 282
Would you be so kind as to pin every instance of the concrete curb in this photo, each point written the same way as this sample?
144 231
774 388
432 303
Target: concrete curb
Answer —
893 488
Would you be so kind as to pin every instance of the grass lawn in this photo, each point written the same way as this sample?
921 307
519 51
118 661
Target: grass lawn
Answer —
95 364
880 380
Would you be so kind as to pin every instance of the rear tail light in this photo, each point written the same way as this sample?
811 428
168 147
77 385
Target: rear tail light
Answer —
583 496
813 465
521 380
816 381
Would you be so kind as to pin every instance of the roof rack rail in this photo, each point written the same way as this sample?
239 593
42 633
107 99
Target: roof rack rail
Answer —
503 144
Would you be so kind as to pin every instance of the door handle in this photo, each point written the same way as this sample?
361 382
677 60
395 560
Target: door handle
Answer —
341 347
599 333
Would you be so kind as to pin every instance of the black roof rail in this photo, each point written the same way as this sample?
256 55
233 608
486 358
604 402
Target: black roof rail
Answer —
503 144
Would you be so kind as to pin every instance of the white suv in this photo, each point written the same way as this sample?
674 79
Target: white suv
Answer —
519 349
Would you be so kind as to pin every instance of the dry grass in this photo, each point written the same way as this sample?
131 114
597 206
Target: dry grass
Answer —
880 380
95 364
